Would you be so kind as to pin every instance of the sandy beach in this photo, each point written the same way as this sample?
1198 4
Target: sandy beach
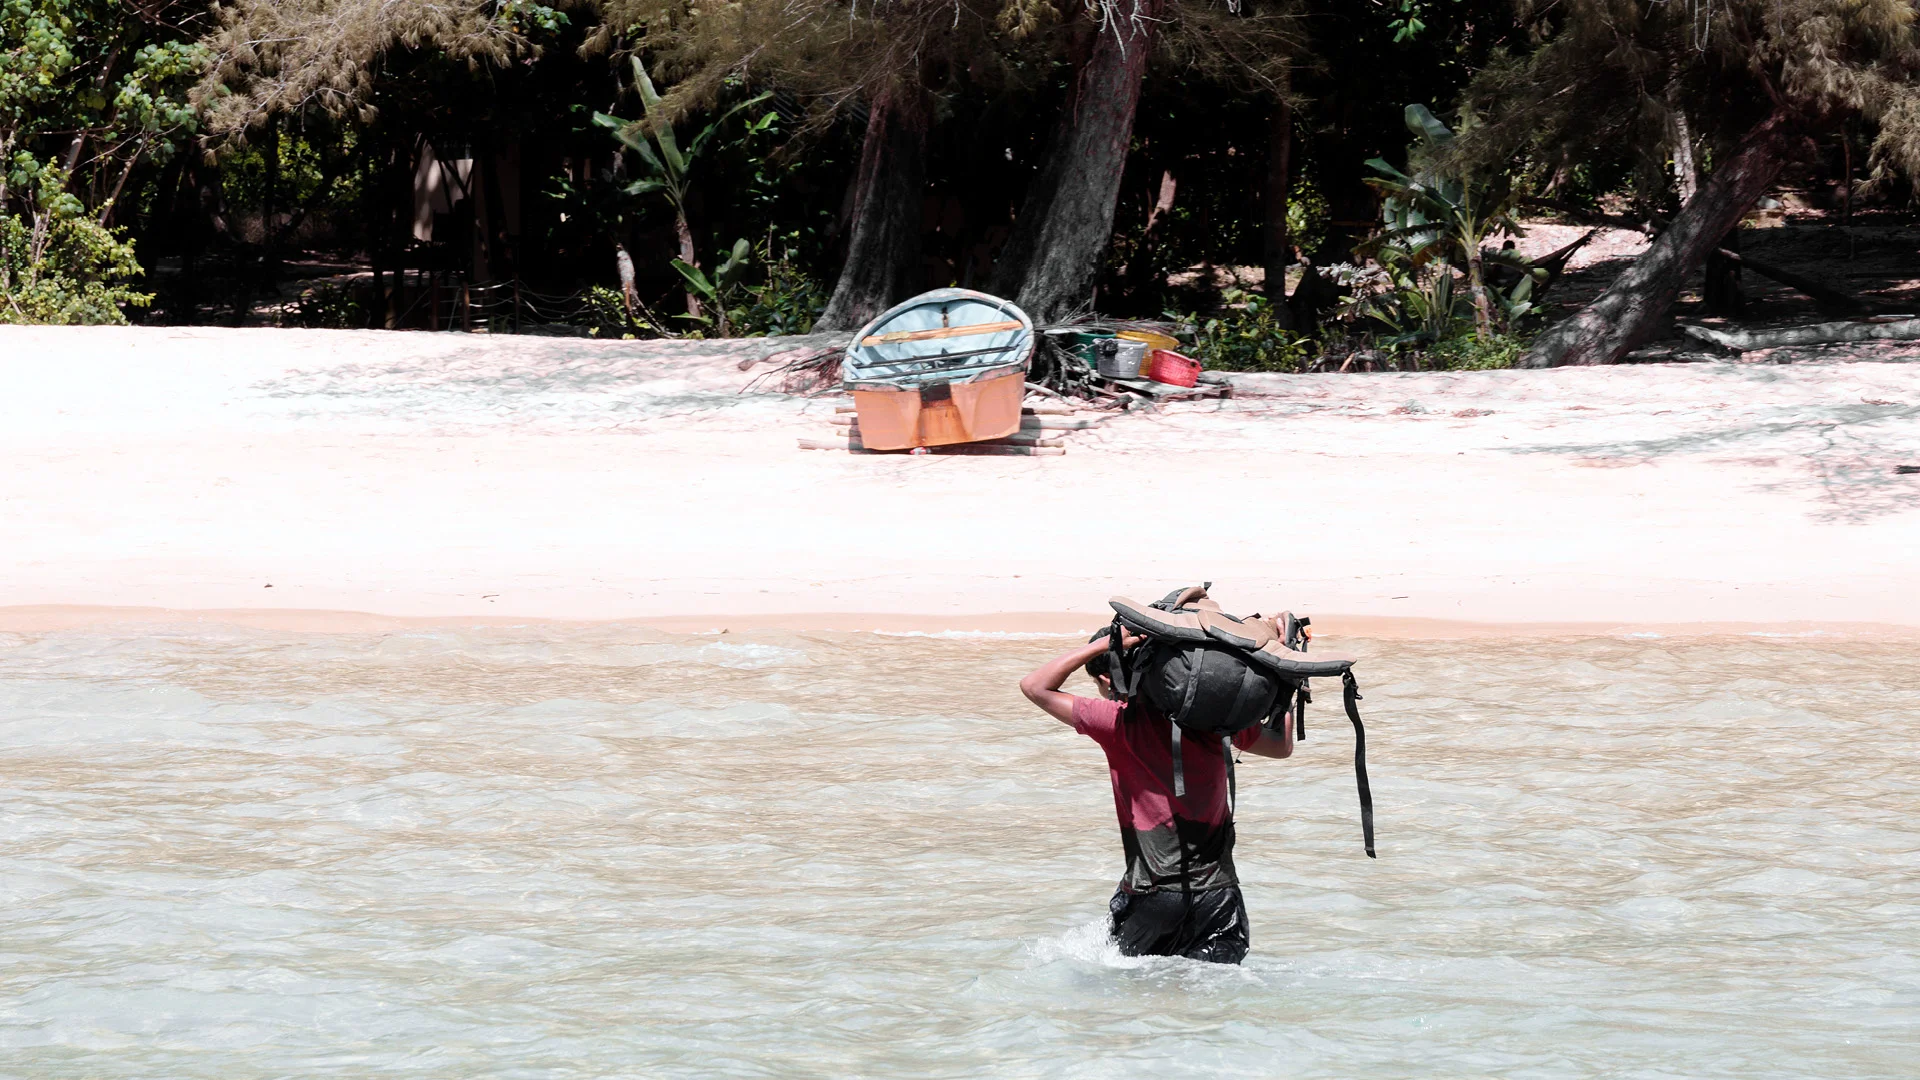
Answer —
347 479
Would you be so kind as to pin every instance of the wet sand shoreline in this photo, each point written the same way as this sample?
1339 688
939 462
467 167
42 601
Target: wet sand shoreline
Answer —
57 618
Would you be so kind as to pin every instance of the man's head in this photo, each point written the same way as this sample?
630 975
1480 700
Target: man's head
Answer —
1099 668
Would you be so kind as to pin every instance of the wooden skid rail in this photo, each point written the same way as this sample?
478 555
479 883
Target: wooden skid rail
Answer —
1018 438
985 449
1026 424
1042 409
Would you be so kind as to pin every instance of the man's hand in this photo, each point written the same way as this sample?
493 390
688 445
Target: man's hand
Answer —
1042 687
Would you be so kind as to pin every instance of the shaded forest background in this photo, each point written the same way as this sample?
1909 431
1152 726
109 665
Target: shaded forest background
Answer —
645 166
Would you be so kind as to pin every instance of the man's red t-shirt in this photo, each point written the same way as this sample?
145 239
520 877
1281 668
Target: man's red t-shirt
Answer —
1180 843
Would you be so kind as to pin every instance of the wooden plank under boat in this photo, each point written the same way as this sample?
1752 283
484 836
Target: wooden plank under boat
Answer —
948 366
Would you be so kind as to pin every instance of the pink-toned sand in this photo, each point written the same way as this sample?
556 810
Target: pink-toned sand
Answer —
281 475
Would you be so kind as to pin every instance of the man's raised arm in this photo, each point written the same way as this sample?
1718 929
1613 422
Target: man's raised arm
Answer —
1042 687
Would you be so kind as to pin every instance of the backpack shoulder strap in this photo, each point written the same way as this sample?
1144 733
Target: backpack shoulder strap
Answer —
1125 679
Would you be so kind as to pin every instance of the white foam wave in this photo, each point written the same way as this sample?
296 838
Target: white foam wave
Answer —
1085 943
971 635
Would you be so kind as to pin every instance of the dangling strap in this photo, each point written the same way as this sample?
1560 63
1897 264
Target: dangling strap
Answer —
1360 760
1303 695
1233 792
1179 765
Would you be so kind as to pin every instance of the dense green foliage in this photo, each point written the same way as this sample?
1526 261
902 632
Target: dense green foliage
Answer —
1244 334
65 268
89 90
258 159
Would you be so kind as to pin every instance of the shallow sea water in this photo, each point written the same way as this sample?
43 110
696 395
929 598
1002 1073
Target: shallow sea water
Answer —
594 852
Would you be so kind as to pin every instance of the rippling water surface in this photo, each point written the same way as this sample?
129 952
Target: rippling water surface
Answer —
560 852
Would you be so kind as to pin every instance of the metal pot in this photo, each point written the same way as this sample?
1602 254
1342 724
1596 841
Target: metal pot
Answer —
1124 361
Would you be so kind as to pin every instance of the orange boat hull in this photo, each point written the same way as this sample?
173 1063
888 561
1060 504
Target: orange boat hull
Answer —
941 415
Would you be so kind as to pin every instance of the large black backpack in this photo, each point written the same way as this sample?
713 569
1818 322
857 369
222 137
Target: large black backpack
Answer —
1215 675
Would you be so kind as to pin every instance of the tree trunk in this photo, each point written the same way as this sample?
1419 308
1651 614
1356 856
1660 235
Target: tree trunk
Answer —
1277 246
1686 174
1630 311
683 235
1477 289
1830 333
629 294
1067 219
883 252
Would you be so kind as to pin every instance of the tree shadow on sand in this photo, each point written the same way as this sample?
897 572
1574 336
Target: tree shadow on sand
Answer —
1849 455
563 379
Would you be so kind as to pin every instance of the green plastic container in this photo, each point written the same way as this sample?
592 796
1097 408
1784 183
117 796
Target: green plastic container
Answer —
1084 343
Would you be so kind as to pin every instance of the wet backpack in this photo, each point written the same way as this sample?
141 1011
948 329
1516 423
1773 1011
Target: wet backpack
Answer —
1215 675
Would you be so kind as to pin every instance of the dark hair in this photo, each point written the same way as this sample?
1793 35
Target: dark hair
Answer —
1102 663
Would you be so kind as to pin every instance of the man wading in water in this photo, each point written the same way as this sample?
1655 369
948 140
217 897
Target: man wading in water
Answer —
1179 896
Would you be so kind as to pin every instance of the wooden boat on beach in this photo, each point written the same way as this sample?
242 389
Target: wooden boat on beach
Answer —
948 366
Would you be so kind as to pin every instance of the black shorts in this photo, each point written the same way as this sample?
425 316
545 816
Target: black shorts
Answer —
1209 925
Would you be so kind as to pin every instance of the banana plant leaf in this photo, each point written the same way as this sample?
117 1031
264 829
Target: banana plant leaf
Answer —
632 134
1422 122
696 280
732 266
1379 165
657 118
